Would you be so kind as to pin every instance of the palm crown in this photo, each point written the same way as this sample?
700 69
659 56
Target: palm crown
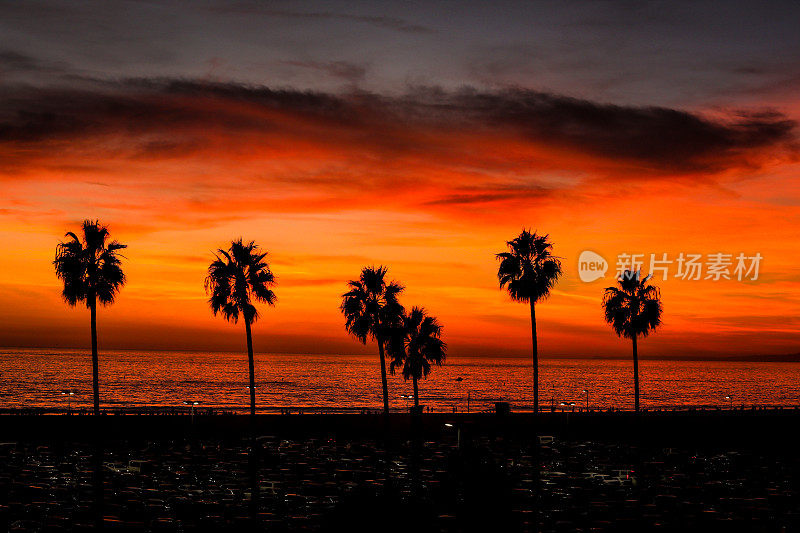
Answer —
633 307
528 270
417 345
371 307
238 277
90 268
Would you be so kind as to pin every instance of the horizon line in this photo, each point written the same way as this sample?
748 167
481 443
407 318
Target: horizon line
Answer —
766 358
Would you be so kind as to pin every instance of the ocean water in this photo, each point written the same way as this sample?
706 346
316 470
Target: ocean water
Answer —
36 378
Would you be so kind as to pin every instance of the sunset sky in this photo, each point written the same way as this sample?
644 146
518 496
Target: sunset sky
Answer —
415 135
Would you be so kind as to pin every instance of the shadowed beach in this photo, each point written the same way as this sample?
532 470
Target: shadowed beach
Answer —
733 470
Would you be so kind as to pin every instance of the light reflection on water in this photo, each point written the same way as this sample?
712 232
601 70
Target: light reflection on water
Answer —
35 378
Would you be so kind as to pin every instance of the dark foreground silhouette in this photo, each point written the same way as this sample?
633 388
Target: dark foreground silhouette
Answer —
734 471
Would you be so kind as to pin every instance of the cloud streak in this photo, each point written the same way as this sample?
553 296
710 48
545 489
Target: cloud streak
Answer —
344 70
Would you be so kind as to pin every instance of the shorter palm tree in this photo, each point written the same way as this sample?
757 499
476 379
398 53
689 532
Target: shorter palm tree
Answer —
633 308
91 270
236 278
416 346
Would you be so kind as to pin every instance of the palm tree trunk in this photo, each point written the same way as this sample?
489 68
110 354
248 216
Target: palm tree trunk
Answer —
535 359
252 368
383 380
95 364
635 375
416 393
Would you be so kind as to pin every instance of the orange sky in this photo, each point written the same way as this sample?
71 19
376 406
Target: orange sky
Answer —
429 184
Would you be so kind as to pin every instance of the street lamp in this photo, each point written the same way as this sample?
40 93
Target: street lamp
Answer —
406 397
730 401
450 425
69 394
191 404
586 392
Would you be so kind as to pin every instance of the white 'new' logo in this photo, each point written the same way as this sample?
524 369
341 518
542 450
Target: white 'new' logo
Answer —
591 266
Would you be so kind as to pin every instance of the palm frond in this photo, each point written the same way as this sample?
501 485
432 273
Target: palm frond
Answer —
238 277
417 345
90 269
632 308
371 307
529 270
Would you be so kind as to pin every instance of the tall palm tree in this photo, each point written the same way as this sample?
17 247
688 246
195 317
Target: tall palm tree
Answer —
633 308
417 346
91 270
371 309
238 277
528 271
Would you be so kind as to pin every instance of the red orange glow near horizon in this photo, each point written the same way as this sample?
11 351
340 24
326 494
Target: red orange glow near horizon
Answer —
434 200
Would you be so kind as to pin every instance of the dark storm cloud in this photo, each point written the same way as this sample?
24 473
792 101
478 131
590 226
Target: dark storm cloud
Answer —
656 139
134 107
668 138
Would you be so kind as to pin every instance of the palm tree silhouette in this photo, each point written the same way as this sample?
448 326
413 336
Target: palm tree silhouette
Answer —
371 309
528 271
91 270
416 346
632 309
238 277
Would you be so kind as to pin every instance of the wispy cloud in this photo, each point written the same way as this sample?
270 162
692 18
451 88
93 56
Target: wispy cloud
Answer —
13 61
345 70
391 23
